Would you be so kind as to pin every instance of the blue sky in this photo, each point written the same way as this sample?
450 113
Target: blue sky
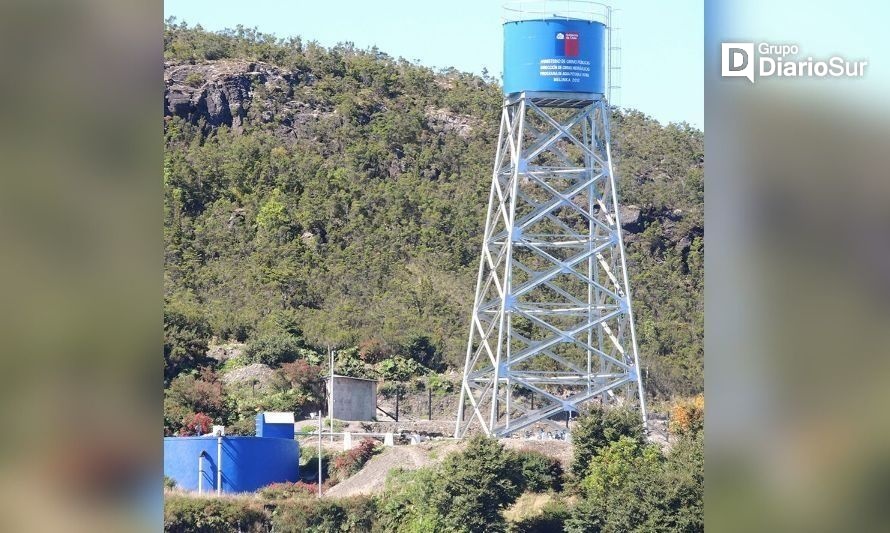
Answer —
662 62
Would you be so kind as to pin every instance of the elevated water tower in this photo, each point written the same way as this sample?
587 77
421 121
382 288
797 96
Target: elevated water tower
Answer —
552 323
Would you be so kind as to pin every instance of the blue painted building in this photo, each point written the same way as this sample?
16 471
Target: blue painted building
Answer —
236 463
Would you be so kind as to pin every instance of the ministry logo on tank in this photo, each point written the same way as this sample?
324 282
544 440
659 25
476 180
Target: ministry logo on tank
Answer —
738 60
567 44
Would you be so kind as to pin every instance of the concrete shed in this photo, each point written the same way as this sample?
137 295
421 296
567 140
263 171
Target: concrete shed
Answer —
354 398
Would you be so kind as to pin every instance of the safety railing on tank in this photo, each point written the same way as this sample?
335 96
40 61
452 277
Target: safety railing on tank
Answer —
519 10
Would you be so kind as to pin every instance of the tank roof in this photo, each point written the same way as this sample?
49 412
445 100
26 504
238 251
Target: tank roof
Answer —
522 10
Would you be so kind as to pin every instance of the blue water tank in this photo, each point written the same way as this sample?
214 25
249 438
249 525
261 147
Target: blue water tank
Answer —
248 463
554 55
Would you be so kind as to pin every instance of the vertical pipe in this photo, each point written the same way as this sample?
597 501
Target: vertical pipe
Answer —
219 472
201 473
320 418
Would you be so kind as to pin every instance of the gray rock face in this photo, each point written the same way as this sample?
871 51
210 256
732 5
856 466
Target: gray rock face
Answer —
220 92
442 120
631 218
224 352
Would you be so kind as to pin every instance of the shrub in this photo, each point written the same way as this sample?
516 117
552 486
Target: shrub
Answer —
351 461
169 483
194 79
196 424
439 384
308 515
688 415
387 390
620 490
425 352
684 480
273 349
309 462
467 492
348 363
174 415
232 363
302 375
540 473
477 484
203 394
244 403
633 487
599 427
286 491
186 514
188 395
398 369
243 426
374 350
406 502
186 334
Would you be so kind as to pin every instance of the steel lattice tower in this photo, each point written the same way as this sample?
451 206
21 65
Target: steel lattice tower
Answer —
552 324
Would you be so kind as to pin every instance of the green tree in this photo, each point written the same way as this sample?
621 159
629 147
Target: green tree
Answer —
477 484
631 487
466 493
598 428
273 349
422 350
186 335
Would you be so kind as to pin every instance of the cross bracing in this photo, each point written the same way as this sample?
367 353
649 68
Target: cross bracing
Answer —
552 322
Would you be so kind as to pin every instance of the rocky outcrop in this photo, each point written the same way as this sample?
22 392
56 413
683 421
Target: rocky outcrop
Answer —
224 352
256 374
222 92
631 218
444 121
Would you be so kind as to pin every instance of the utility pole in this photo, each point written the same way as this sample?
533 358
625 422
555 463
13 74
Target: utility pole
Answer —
331 401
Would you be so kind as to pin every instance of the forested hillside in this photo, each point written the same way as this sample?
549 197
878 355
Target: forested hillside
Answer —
319 196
